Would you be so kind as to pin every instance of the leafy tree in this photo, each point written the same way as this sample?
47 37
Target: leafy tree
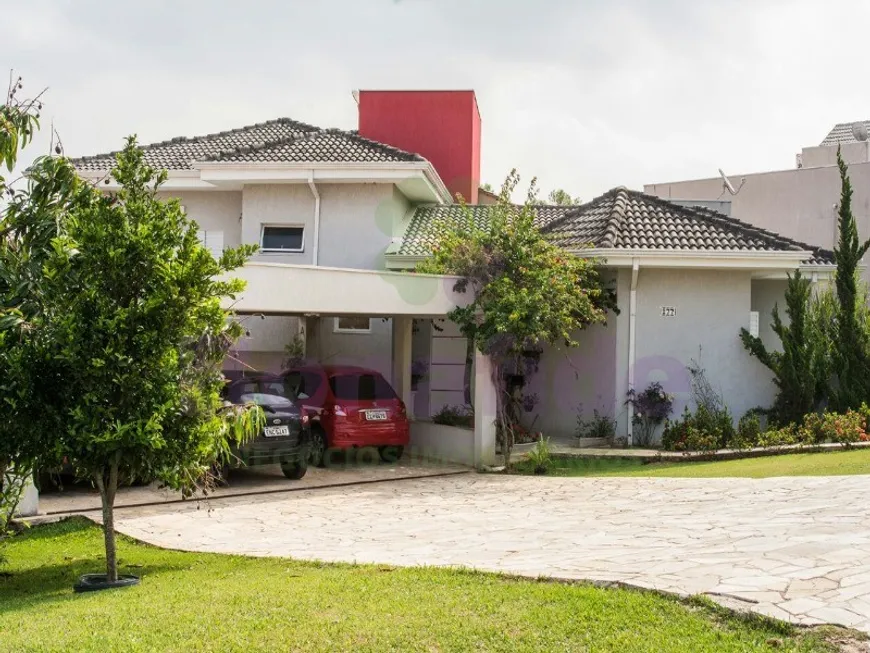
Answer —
135 338
527 292
561 197
800 370
852 347
31 215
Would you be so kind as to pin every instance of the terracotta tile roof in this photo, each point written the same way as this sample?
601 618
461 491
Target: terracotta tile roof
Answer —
281 140
622 219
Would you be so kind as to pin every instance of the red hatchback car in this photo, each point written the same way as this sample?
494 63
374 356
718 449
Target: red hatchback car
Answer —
349 407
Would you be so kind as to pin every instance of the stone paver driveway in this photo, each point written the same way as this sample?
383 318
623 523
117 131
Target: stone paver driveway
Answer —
792 548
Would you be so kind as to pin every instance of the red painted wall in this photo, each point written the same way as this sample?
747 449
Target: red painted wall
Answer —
442 126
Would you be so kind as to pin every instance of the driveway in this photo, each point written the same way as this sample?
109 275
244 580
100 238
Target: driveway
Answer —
266 479
793 548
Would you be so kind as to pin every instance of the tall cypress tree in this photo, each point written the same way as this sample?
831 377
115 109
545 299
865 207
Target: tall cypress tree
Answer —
797 369
851 360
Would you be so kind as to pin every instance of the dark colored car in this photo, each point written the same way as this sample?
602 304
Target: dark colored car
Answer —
349 407
285 437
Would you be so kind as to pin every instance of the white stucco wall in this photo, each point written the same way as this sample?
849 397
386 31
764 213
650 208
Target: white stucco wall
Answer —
356 221
214 211
767 293
279 205
581 379
711 307
372 350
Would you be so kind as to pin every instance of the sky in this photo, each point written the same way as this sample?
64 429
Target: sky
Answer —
584 94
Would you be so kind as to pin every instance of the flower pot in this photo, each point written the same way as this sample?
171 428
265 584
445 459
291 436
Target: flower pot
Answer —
540 470
97 582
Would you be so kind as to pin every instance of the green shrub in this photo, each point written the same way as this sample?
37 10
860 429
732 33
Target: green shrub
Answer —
600 426
845 428
540 456
747 433
707 430
783 436
698 440
455 416
813 430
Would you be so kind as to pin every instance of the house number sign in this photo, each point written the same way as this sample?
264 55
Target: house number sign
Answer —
669 311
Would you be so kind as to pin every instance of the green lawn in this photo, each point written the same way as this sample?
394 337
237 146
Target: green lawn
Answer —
199 602
828 463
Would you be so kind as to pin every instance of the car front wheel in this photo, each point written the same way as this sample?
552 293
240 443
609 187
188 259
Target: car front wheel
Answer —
294 471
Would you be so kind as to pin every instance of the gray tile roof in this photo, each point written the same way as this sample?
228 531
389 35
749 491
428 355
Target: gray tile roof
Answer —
842 133
622 219
428 222
281 140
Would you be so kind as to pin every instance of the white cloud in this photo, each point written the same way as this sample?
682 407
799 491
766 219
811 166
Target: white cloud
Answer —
586 96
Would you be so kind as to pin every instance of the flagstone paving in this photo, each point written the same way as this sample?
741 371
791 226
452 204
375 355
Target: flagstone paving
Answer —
797 549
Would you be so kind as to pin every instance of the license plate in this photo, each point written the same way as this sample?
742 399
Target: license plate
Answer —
376 415
276 431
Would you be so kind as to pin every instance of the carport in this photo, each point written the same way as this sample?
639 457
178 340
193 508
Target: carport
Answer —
276 289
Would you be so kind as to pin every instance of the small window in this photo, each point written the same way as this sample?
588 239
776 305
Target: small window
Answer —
282 239
353 324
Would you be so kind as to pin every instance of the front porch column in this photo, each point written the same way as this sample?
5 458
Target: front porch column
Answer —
312 338
484 411
402 329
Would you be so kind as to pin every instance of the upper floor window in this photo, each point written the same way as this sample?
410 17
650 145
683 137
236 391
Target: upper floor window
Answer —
282 239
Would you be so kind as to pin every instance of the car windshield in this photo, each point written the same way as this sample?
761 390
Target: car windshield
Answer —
273 401
361 387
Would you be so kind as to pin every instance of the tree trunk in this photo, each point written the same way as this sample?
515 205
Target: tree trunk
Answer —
108 486
503 423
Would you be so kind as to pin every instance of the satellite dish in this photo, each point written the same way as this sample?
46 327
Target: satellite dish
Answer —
859 131
727 182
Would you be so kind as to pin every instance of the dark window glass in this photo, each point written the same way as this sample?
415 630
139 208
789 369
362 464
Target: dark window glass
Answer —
289 238
361 387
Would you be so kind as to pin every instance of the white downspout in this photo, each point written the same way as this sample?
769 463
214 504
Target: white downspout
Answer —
314 192
632 341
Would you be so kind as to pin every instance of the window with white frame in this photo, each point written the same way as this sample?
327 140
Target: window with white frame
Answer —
353 324
212 240
275 238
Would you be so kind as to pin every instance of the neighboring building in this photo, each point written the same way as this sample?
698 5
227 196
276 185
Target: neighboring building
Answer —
800 203
339 215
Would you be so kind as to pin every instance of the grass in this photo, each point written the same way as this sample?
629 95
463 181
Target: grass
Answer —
827 463
209 602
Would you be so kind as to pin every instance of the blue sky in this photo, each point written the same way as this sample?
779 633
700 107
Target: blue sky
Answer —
585 94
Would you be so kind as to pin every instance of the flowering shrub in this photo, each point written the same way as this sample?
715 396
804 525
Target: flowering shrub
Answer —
651 408
846 428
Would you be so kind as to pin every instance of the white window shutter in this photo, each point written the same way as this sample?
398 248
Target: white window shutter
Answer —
753 323
214 240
